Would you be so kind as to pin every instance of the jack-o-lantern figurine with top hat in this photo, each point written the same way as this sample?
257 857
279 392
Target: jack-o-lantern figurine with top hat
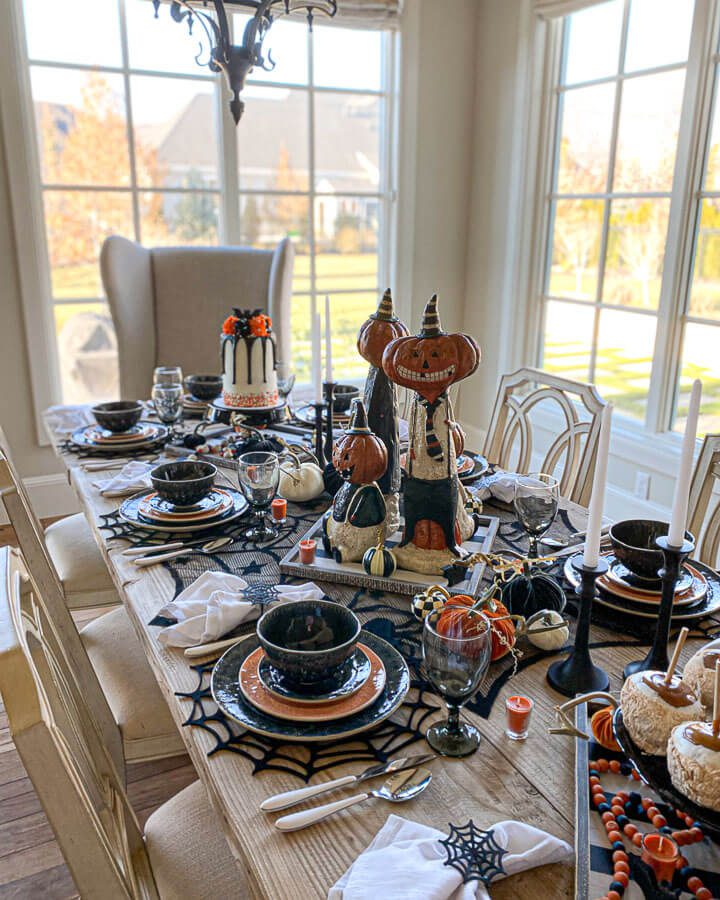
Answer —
356 520
375 334
436 521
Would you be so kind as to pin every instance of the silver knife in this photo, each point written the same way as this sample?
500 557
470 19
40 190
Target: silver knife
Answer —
291 798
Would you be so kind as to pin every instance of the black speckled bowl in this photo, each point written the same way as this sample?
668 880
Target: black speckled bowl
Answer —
204 387
633 542
118 415
185 482
308 640
343 396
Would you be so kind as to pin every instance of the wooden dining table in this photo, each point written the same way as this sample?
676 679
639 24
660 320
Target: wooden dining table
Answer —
532 781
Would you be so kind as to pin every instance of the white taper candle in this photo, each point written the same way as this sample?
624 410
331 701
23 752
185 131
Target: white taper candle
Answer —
328 342
591 555
678 518
316 358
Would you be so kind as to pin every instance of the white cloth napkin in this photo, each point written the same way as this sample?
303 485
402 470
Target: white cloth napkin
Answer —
65 419
214 604
406 862
131 478
501 486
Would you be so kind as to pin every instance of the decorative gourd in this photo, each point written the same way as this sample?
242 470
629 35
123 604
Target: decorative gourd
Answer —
601 727
378 330
379 561
359 456
433 360
531 592
428 601
300 482
547 640
502 627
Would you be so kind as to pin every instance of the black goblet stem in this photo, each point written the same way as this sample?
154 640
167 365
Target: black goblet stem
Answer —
319 407
674 557
578 674
329 393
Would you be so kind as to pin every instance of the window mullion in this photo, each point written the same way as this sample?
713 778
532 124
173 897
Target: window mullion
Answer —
311 173
677 265
129 121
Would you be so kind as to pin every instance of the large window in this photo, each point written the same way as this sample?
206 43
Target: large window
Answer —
631 282
135 139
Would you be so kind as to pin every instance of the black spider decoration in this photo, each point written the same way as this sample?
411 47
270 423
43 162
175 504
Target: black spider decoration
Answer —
475 853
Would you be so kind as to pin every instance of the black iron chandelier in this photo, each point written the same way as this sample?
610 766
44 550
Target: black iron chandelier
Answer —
238 60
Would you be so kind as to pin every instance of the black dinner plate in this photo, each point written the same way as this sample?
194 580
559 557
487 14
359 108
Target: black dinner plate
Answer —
226 691
130 512
654 772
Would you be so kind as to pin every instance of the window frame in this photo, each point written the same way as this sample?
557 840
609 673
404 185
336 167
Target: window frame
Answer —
27 187
683 222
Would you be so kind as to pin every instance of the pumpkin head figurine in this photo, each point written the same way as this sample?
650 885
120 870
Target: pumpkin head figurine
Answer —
359 456
378 330
432 360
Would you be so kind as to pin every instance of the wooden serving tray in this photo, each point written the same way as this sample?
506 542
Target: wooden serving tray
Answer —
403 581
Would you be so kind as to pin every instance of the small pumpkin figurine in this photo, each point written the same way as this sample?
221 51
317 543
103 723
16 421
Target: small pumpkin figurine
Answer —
356 521
542 638
432 360
601 727
379 561
378 330
428 601
300 481
359 456
503 628
532 591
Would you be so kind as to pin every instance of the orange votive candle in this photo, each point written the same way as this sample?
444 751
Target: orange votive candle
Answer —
279 509
307 551
661 853
518 710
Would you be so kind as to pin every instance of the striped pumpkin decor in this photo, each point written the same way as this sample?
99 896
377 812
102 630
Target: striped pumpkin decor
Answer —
379 561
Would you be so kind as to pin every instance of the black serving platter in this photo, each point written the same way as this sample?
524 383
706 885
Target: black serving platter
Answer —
654 772
227 694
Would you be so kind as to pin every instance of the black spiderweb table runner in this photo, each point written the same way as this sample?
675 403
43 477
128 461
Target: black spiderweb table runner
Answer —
386 615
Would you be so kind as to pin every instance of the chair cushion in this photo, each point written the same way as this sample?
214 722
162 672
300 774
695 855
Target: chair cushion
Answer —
79 563
188 851
147 728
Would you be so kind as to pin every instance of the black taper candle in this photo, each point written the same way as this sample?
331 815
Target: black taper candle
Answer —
673 557
578 674
329 394
319 407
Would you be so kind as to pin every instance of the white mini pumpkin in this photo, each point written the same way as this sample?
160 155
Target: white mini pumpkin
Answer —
300 482
547 640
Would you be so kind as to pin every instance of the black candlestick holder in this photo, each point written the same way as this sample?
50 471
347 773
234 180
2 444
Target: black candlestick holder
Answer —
329 394
319 407
674 557
578 674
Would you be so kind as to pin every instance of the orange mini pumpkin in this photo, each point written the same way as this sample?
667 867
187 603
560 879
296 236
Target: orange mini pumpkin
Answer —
378 330
359 456
601 727
503 629
432 360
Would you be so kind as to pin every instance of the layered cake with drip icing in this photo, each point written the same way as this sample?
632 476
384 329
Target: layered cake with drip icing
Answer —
651 709
249 362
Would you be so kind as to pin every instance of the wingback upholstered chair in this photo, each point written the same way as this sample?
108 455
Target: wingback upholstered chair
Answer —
168 303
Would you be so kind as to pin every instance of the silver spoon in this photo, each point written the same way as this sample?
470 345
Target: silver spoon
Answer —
210 547
402 786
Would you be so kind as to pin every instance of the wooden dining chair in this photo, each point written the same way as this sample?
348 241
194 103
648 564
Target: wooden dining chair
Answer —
107 647
168 303
85 578
51 707
573 411
704 509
